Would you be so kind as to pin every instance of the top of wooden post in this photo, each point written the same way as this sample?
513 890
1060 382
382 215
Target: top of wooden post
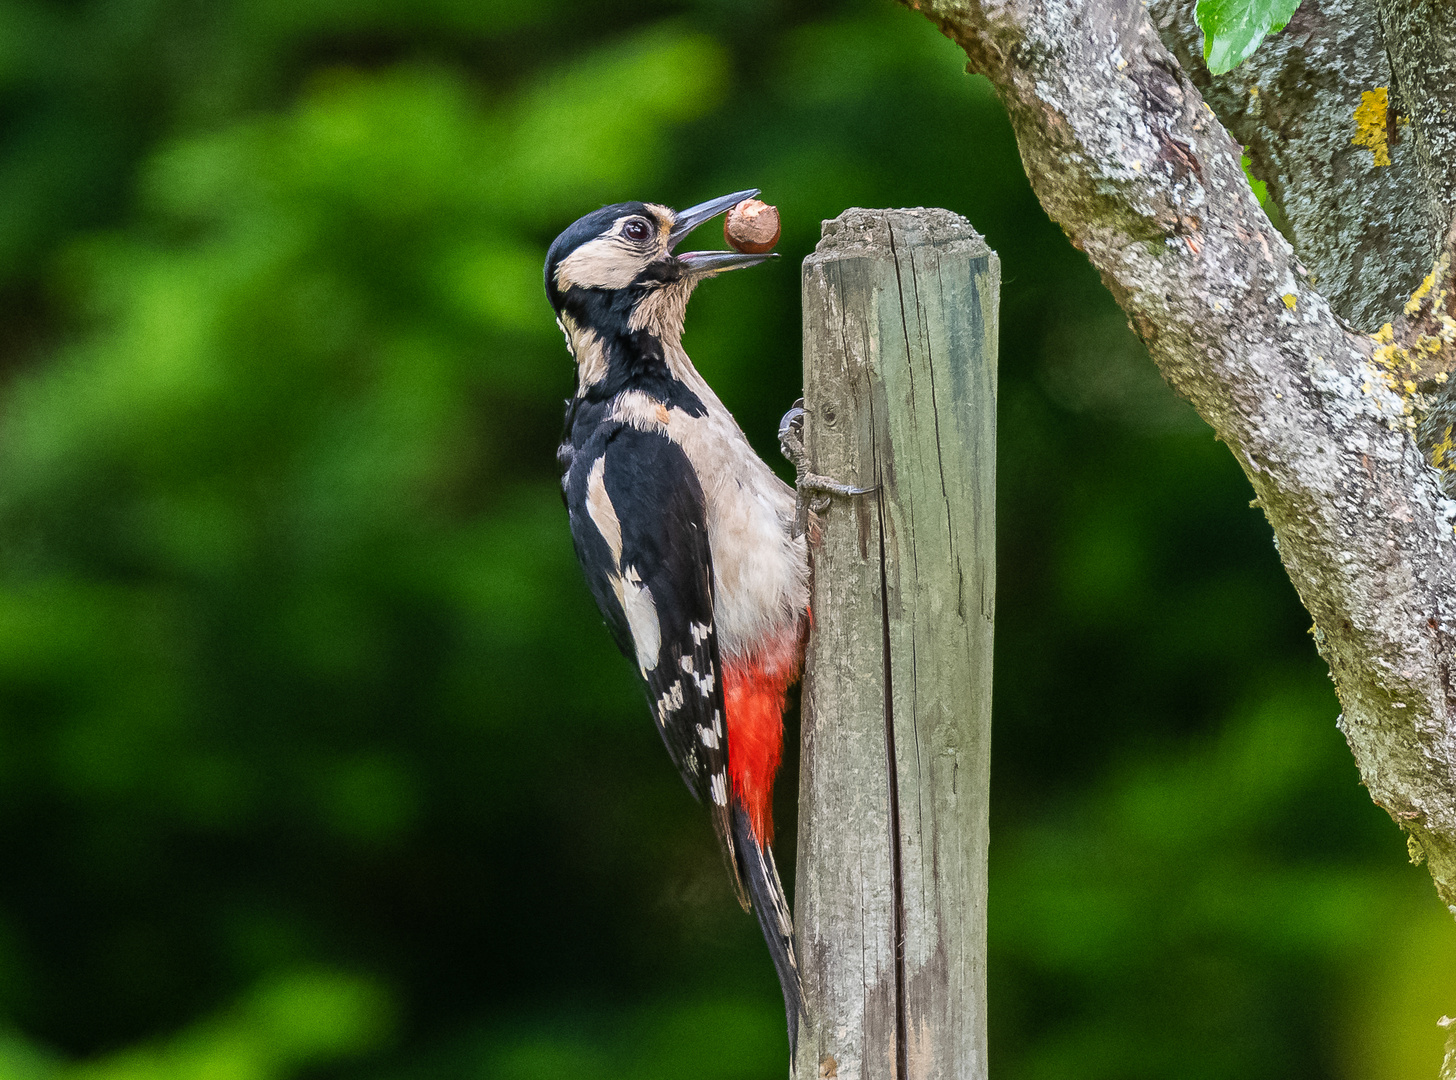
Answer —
863 232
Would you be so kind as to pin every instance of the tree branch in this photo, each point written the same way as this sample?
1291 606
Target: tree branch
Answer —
1123 152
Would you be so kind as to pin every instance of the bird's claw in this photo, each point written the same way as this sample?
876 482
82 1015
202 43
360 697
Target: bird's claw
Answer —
791 436
813 490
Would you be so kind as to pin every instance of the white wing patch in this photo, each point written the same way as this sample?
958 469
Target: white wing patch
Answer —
718 787
634 597
600 509
708 736
641 612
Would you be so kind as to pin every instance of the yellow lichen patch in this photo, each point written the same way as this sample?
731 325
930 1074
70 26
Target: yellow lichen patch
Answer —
1442 452
1415 851
1413 304
1397 370
1370 123
1389 357
1442 456
1385 335
1289 300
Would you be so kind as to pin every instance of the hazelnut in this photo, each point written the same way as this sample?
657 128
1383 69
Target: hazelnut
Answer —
752 227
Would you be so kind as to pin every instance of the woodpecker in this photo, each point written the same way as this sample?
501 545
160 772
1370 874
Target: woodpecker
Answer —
687 539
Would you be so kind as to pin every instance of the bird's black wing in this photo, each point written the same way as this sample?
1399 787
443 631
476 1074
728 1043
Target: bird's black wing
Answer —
639 523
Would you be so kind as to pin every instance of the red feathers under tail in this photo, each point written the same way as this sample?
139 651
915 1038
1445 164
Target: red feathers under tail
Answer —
754 691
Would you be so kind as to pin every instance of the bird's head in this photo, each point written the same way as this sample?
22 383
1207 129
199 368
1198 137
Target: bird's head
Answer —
615 272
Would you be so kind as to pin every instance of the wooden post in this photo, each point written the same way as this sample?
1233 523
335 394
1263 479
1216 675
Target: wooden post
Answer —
900 320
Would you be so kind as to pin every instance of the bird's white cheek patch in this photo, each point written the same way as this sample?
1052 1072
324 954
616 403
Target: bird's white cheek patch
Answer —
603 263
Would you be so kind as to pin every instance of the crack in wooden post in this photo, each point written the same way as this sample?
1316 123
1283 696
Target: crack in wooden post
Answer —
897 904
900 384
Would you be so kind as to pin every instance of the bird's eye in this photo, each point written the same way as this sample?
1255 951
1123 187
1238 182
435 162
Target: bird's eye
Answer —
636 230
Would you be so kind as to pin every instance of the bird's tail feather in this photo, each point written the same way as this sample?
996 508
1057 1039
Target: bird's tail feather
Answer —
767 893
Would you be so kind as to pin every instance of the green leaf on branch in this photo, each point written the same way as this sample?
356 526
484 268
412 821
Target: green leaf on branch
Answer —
1232 29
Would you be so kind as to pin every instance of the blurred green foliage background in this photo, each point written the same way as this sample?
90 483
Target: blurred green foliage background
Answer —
315 758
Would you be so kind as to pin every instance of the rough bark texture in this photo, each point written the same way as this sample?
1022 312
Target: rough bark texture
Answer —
900 315
1144 178
1366 232
1420 37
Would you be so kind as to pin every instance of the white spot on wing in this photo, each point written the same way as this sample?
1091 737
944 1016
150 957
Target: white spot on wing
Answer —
718 787
700 632
687 664
671 700
708 736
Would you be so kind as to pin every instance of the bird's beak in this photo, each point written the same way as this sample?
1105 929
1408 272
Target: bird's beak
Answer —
711 262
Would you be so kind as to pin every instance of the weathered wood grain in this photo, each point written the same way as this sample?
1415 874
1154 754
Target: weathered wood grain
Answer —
900 319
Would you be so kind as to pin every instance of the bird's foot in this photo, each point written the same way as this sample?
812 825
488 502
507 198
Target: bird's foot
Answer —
814 491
